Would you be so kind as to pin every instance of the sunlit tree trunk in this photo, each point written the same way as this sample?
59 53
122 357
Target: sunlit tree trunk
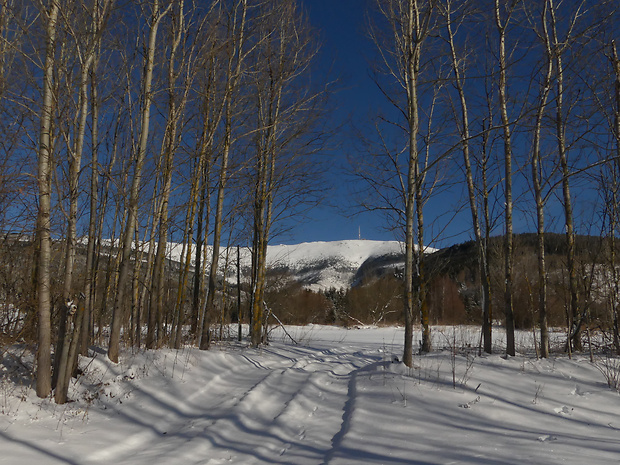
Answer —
557 50
89 285
201 226
283 119
537 180
168 151
268 107
507 135
86 52
44 367
415 29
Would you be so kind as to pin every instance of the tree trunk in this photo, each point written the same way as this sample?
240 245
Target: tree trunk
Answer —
508 242
168 151
239 309
89 285
575 320
234 65
75 161
197 278
217 233
538 195
44 375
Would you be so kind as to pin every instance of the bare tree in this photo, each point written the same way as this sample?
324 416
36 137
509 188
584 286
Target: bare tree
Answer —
410 23
176 105
157 14
458 69
557 47
537 176
86 51
89 285
236 54
286 110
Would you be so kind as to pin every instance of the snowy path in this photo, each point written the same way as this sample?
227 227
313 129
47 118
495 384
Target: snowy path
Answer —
335 399
286 409
280 404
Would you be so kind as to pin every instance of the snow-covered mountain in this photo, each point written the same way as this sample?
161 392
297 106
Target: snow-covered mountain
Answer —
322 265
316 265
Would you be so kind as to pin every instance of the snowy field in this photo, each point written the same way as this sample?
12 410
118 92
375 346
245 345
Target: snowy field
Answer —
338 397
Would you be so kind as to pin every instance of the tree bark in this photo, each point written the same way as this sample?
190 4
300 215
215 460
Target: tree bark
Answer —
574 314
89 285
44 374
168 151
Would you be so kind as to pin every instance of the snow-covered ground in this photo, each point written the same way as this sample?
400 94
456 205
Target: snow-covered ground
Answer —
338 397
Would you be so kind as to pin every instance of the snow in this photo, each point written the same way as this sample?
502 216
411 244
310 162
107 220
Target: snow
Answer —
339 396
354 252
319 265
329 264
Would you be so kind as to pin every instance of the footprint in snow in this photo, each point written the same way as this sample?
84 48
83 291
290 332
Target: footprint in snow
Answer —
564 410
578 392
287 446
470 403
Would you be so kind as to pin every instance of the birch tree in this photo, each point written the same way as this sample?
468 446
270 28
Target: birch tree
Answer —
556 48
502 19
86 50
176 104
410 24
537 178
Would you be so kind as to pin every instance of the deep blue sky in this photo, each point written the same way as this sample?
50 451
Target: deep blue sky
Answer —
346 52
345 48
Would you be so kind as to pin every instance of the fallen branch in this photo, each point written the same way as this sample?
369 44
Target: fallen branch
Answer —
282 326
358 321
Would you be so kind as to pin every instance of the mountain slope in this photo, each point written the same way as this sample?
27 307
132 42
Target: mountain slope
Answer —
316 265
321 265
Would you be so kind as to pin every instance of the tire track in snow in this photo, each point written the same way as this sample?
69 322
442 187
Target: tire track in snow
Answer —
173 420
348 410
295 403
290 424
297 419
